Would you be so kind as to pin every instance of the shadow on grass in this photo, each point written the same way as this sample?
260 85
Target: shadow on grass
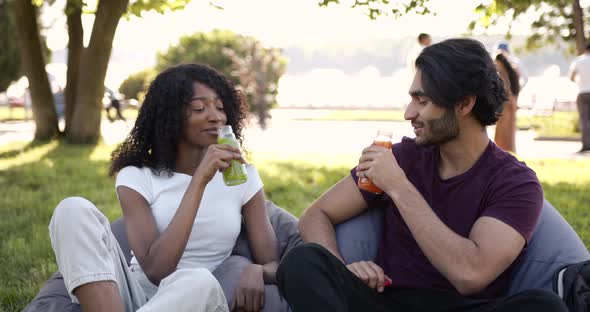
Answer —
21 149
30 193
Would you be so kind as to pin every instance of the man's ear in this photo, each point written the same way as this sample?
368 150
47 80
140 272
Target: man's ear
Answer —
465 105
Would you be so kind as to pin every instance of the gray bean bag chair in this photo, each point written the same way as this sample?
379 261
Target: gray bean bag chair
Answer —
53 296
554 243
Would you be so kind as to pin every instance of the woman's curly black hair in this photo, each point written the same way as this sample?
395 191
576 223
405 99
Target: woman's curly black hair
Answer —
153 140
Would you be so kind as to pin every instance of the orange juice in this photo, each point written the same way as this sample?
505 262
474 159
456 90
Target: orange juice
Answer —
383 139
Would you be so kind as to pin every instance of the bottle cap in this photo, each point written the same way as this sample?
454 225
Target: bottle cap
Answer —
383 132
225 130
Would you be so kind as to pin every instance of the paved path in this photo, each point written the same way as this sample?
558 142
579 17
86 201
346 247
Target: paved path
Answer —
288 135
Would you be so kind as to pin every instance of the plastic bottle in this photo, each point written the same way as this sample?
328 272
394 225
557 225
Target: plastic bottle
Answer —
235 174
383 138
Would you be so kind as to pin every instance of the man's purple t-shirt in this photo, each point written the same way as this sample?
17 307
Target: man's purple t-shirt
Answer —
497 186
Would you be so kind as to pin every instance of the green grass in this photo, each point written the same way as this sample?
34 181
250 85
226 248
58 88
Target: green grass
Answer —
18 113
34 178
357 115
566 184
556 125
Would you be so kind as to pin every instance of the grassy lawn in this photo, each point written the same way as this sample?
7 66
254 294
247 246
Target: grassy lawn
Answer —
358 115
35 178
556 125
18 113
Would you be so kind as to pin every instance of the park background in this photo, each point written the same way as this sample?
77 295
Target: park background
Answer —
336 76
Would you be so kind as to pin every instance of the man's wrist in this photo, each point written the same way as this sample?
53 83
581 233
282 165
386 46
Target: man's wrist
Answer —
402 186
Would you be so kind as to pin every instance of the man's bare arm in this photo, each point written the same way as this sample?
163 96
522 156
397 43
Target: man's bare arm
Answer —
470 264
340 203
573 75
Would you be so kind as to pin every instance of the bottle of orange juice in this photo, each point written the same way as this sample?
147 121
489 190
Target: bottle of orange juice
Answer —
383 138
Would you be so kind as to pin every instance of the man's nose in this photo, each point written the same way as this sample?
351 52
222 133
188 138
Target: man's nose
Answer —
411 111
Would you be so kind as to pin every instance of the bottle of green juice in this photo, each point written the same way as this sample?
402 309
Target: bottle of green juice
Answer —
235 174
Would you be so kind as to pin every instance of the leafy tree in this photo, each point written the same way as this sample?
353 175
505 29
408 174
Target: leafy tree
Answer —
556 19
33 65
87 66
251 66
258 71
204 48
9 57
135 85
376 8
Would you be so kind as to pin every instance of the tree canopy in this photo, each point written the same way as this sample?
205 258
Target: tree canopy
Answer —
556 20
376 8
253 68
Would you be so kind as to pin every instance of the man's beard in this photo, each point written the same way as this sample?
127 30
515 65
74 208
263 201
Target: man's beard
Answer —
441 130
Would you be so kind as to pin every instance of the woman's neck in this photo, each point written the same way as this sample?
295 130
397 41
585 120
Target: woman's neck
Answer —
188 158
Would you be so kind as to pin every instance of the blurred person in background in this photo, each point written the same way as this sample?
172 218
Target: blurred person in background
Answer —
505 136
424 40
580 73
113 102
514 78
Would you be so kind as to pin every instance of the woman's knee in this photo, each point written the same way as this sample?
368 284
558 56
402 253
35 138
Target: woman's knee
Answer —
72 207
198 277
72 211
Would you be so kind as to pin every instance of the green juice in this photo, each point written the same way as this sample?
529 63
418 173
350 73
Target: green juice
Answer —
235 174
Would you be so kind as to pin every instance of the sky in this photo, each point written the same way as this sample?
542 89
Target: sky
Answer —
278 23
275 22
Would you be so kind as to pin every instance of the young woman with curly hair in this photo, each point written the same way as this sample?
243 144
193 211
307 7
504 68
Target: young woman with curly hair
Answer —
182 221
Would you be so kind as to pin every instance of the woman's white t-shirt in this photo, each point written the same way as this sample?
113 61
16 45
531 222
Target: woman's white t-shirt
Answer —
218 221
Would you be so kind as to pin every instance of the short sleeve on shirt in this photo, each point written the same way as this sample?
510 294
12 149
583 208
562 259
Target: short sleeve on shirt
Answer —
136 179
253 185
516 201
572 67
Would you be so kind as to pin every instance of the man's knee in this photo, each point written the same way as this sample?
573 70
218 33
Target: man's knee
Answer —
543 300
300 262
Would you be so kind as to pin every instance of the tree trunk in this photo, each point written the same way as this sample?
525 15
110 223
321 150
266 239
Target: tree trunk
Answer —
33 65
87 114
75 48
579 27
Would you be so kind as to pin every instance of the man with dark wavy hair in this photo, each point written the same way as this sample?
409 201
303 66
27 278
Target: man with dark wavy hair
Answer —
458 210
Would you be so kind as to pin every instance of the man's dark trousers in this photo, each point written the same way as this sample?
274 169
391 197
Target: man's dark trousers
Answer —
312 279
583 102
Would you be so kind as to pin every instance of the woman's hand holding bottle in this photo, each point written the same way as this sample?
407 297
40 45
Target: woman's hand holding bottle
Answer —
218 157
